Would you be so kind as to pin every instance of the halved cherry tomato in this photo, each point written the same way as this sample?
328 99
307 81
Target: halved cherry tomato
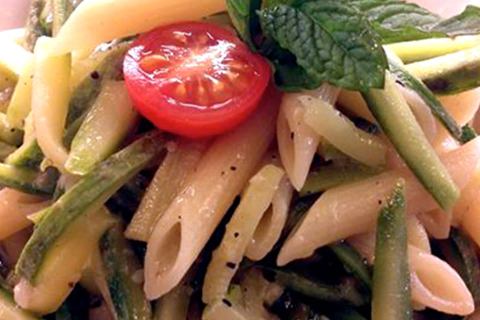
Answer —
194 79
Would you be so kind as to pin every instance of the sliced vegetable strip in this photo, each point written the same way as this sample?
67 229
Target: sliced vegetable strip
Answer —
88 194
389 107
391 275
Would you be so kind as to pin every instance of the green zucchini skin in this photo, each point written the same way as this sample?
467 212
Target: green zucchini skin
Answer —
391 275
28 180
35 26
88 90
399 124
87 195
120 265
455 81
28 155
428 97
353 262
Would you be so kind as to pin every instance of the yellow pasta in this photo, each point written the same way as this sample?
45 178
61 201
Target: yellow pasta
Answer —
97 21
50 98
188 223
14 210
239 232
417 235
20 104
353 103
169 180
271 225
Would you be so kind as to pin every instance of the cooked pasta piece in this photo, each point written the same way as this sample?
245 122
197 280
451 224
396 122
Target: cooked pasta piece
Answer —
434 283
169 180
12 247
21 102
352 209
63 265
297 142
470 195
15 207
353 103
436 222
239 232
50 97
437 285
272 223
417 235
98 21
188 223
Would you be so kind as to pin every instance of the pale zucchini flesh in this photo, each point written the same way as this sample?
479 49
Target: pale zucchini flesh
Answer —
399 124
9 310
107 123
122 270
88 194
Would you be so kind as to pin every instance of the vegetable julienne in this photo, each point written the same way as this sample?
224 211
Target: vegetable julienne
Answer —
194 79
240 160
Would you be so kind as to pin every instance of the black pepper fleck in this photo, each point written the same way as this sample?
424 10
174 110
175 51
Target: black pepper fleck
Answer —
95 75
231 265
227 303
292 135
236 234
233 168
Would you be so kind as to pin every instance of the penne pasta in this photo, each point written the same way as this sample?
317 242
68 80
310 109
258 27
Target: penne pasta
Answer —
169 180
188 223
50 97
417 235
352 209
15 207
21 102
239 232
434 283
297 142
98 21
353 103
270 227
437 223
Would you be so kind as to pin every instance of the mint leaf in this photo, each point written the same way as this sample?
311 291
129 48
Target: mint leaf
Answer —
396 20
468 22
244 18
468 134
331 42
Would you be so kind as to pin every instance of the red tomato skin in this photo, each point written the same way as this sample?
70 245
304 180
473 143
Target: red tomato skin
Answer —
170 115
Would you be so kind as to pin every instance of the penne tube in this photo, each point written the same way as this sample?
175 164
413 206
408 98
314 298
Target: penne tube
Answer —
436 222
239 232
353 209
437 285
97 21
270 228
12 247
184 229
50 98
434 283
169 180
469 196
297 141
15 207
417 235
21 102
353 103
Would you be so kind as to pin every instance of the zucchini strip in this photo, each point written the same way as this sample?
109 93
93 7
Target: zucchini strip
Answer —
28 180
342 293
107 123
63 264
330 124
428 97
391 275
449 74
34 28
353 262
388 106
89 194
417 50
123 274
334 175
28 155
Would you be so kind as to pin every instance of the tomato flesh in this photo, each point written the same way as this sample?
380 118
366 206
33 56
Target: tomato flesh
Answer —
194 79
